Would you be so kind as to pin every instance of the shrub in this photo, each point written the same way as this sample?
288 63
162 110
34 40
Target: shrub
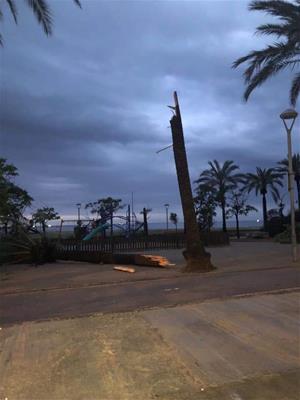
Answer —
275 226
285 237
23 248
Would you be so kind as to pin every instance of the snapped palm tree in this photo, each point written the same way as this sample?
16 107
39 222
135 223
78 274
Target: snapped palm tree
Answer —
264 181
197 259
40 9
284 168
282 54
223 179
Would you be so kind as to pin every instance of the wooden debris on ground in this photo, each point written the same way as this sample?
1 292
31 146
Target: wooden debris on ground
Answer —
124 269
152 261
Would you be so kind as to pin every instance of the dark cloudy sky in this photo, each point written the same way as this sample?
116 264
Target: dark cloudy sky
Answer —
83 112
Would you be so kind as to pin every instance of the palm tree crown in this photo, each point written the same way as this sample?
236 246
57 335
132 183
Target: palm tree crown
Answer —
284 165
223 179
41 11
262 64
264 180
284 168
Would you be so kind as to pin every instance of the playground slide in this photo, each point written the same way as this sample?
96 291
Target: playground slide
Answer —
94 232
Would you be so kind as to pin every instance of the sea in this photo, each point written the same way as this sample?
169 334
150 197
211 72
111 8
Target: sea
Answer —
154 226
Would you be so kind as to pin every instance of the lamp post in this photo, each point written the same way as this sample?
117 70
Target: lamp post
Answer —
287 116
167 215
78 211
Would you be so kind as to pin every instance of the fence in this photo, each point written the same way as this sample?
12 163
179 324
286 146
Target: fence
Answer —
137 243
122 244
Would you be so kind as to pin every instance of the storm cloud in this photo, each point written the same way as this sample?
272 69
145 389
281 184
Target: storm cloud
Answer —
84 111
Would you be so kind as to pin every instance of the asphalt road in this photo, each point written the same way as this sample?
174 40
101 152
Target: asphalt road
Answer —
129 296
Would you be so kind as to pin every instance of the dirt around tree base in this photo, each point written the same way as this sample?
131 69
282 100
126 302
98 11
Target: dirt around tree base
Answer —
196 261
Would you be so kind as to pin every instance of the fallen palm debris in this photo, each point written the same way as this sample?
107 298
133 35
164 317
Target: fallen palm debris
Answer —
124 269
152 261
145 260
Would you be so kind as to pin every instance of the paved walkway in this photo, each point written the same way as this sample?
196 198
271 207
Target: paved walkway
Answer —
227 341
234 349
239 256
130 296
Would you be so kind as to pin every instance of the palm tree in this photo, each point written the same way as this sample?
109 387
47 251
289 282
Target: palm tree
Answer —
263 64
223 179
238 206
197 259
267 179
174 219
284 168
40 9
43 215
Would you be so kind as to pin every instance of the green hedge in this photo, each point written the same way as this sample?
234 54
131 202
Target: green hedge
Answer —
285 237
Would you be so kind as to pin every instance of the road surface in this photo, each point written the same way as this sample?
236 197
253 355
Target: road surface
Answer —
130 296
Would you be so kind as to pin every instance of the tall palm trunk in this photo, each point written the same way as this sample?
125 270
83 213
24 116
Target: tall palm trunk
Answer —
145 221
298 190
237 223
197 258
44 228
223 216
265 212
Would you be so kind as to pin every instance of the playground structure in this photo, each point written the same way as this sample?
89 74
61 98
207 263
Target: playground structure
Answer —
124 225
86 229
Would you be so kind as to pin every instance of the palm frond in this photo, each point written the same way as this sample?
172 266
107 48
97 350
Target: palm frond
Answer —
229 167
274 58
43 14
278 53
215 166
270 69
1 40
295 89
273 29
265 63
277 8
13 9
77 2
275 194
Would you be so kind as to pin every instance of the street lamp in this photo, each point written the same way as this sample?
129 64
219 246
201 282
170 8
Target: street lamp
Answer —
289 117
78 211
167 215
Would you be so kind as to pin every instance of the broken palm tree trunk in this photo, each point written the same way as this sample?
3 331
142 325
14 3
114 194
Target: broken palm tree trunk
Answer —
197 259
148 260
145 260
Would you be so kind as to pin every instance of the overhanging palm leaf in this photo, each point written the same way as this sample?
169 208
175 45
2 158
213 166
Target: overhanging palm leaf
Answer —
41 10
77 2
278 8
273 29
13 9
295 89
268 62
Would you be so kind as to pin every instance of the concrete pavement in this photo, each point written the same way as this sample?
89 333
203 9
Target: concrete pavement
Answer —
212 336
226 341
233 349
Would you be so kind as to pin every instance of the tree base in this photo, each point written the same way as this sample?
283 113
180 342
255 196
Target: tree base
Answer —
197 262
